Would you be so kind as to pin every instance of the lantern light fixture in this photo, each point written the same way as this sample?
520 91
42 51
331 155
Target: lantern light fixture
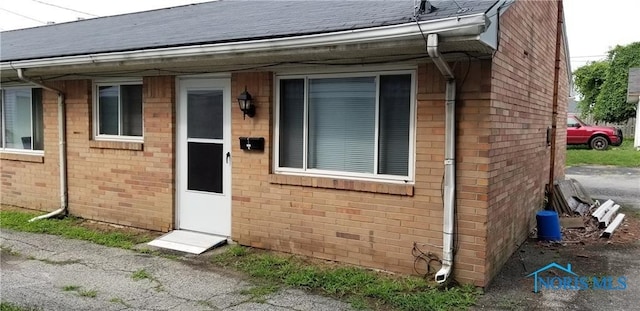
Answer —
245 101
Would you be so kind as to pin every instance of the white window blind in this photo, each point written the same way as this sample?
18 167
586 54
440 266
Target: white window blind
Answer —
358 125
22 119
342 124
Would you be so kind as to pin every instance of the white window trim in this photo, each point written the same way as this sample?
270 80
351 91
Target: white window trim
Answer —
2 128
96 110
409 179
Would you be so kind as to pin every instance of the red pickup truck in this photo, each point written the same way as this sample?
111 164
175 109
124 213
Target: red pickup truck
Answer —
596 137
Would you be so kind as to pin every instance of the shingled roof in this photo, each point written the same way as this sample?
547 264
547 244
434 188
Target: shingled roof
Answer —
217 22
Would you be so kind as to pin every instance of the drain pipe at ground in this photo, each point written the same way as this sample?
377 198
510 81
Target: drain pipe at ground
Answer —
449 159
62 150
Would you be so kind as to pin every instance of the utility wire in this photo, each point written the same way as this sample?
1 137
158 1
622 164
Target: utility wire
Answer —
64 8
23 16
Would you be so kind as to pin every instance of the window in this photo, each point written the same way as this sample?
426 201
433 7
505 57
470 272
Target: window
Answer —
571 122
357 126
118 111
21 119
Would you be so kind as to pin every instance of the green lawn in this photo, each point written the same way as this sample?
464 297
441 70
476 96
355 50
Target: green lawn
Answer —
364 289
69 227
624 155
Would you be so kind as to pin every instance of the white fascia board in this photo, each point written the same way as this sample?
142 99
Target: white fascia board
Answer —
454 26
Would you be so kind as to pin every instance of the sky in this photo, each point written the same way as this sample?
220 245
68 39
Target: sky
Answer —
593 26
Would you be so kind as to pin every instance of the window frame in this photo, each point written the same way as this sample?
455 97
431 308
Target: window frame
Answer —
305 171
2 121
96 110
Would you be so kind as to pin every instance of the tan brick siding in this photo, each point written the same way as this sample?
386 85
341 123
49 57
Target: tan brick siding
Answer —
33 181
366 227
126 183
502 160
520 113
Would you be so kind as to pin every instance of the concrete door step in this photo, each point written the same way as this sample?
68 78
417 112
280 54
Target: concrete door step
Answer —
188 241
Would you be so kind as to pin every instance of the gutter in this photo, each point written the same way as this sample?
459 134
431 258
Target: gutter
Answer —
468 25
62 150
449 159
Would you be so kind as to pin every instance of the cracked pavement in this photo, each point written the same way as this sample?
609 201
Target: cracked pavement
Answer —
621 184
35 268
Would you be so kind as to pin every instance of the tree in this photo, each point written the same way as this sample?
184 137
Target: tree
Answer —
588 81
603 85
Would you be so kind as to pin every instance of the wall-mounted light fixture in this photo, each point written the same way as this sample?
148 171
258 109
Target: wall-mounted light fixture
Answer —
245 101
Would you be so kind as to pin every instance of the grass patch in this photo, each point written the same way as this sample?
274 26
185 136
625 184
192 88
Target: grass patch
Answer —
8 306
259 292
362 288
69 227
119 301
141 275
624 155
70 288
81 292
88 293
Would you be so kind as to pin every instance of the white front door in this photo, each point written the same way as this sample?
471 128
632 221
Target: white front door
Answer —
204 158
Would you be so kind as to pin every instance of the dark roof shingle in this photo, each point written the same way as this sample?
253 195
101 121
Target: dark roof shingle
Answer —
215 22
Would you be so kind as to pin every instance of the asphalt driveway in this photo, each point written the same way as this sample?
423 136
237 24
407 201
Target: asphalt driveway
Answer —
513 289
53 273
620 184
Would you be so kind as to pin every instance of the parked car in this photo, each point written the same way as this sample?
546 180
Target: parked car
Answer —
596 137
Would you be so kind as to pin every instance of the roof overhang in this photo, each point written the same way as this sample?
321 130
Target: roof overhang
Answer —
388 41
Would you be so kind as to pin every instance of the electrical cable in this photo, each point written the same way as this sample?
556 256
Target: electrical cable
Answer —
64 8
428 258
23 16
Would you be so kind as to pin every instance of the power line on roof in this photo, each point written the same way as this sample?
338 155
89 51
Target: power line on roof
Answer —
64 8
23 16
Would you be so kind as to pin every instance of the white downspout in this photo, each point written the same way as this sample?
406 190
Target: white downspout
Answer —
449 159
62 150
636 142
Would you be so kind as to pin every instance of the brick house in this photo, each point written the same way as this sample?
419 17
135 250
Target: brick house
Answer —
133 120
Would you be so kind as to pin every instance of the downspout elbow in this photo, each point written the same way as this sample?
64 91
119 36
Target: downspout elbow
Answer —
443 274
436 57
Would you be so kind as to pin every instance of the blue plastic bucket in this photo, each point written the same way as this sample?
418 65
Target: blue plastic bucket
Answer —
548 226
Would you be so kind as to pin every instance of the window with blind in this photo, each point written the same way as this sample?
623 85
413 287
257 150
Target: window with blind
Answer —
118 111
21 119
356 126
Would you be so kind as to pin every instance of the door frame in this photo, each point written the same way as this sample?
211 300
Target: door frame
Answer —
180 125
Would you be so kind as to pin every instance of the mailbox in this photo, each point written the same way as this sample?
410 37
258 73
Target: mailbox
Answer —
252 143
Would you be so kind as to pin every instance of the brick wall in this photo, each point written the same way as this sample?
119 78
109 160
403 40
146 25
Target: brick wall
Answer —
33 181
368 223
520 113
503 110
126 183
